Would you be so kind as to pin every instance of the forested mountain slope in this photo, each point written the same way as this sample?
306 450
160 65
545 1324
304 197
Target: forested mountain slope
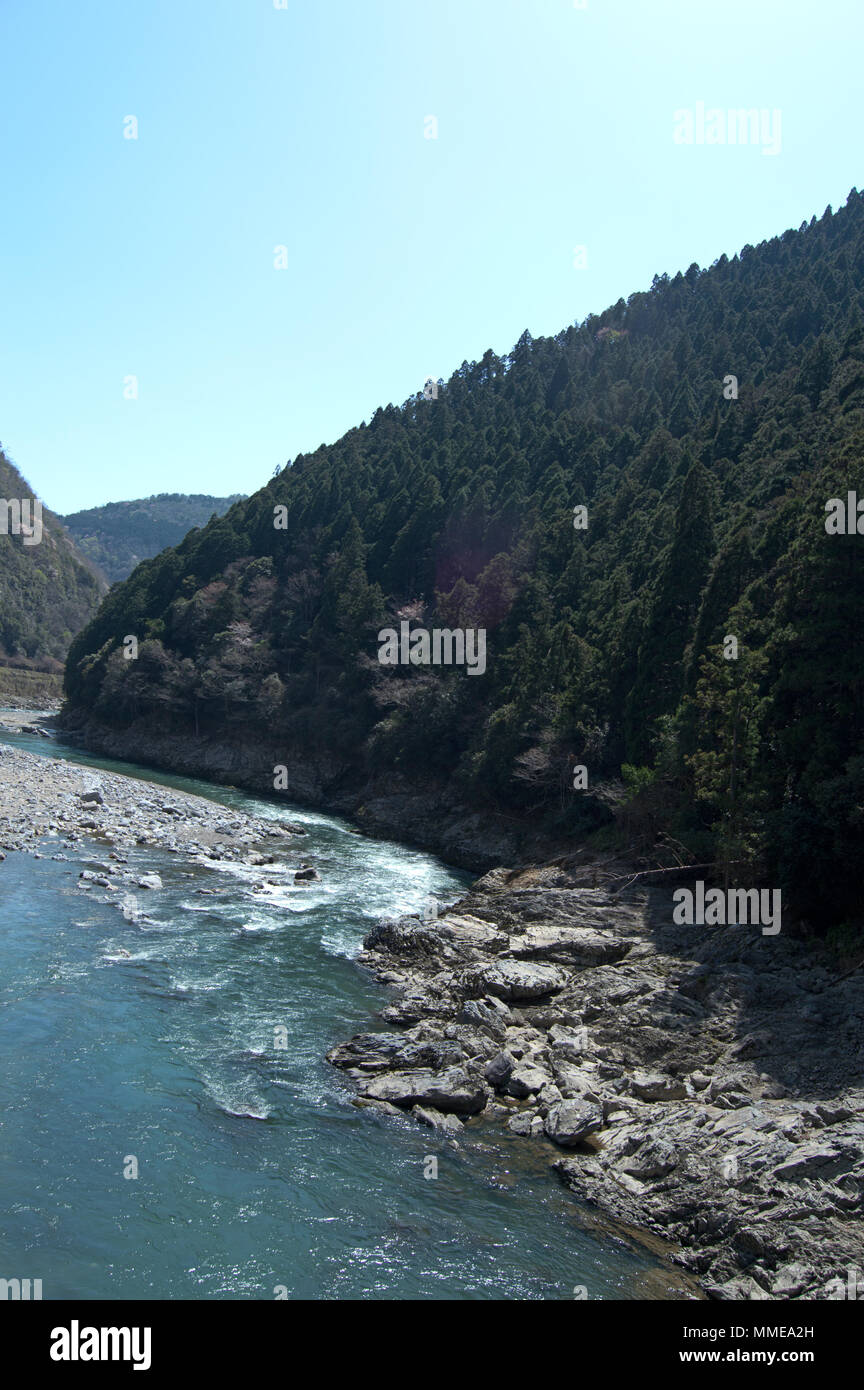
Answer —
606 646
47 589
119 535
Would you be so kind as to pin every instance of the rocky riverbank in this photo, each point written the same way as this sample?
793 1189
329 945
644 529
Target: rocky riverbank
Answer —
703 1084
388 806
700 1084
48 805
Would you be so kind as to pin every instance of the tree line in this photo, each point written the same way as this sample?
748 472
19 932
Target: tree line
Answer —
607 643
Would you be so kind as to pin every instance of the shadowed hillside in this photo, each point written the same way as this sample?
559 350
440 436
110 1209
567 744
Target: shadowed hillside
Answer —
47 590
702 426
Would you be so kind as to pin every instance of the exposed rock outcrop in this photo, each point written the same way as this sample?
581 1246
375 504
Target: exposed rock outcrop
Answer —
704 1084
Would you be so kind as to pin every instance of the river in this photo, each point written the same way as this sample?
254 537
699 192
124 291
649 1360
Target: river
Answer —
257 1177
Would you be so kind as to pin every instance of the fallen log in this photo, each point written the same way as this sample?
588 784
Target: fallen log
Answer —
674 871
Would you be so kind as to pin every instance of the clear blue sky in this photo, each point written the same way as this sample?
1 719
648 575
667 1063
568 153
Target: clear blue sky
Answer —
304 127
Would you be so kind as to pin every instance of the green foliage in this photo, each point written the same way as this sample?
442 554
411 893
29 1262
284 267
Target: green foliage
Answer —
636 779
119 535
605 645
47 591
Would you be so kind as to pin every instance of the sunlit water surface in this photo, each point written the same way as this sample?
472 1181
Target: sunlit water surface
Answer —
256 1174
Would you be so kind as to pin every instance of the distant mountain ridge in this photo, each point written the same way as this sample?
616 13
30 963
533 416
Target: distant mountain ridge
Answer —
119 535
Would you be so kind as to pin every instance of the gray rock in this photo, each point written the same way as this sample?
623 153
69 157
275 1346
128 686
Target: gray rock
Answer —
574 1082
404 937
745 1289
521 1123
376 1052
516 979
571 1121
729 1167
443 1124
699 1080
479 1014
653 1159
805 1162
87 876
381 1107
726 1086
568 1042
452 1091
409 1010
570 946
550 1095
653 1085
833 1114
497 1072
527 1081
791 1280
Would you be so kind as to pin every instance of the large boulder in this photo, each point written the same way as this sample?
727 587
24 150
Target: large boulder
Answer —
527 1081
452 1091
522 1123
499 1070
443 1124
516 979
471 936
571 946
571 1121
413 1007
654 1085
490 1016
403 937
370 1052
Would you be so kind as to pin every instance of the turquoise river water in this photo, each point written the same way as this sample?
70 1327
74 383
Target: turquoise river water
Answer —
257 1177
